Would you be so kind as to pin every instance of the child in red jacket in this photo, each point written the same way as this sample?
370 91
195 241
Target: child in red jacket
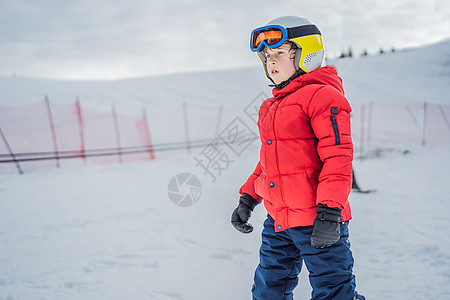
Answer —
304 173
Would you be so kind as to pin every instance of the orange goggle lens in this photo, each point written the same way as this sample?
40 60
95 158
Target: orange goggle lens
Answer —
270 36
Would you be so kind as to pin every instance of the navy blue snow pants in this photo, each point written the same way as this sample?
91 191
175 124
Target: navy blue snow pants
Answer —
281 257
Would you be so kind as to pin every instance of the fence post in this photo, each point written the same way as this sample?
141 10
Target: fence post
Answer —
369 124
186 127
362 129
444 116
116 129
81 126
425 119
13 157
147 133
52 128
219 121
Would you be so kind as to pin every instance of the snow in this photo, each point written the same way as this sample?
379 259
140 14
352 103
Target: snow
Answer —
110 231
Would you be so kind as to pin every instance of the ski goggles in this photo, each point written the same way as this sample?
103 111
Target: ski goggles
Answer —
273 36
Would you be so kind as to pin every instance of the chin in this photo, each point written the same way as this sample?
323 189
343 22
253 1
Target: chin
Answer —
279 81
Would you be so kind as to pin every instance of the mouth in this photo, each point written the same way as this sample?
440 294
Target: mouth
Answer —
274 72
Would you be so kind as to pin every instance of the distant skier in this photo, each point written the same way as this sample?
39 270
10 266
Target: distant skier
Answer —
304 174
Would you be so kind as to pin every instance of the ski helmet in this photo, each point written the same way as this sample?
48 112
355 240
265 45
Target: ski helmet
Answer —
301 31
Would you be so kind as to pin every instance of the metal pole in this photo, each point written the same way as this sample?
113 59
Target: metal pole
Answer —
445 117
369 124
116 128
219 121
424 127
13 157
186 127
81 126
52 128
362 129
147 133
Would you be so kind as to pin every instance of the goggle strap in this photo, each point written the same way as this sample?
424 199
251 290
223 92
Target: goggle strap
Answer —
299 31
303 31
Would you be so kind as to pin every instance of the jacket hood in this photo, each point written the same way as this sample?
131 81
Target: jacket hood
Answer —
326 75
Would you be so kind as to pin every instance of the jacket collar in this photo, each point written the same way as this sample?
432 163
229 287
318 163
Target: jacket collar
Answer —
326 75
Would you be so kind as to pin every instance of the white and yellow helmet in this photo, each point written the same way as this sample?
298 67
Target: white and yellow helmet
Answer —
301 31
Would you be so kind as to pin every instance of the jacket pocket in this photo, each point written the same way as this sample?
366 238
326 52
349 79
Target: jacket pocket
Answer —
336 130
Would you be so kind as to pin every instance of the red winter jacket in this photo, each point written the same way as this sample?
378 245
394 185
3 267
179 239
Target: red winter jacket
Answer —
306 153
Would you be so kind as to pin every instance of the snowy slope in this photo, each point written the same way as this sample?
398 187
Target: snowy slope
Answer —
111 232
408 76
414 75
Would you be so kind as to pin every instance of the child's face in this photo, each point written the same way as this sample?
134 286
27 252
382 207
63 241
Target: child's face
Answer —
280 63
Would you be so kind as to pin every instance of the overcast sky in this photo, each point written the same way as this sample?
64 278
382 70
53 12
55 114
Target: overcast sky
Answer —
110 39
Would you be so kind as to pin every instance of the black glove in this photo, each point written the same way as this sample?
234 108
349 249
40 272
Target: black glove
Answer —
326 227
242 213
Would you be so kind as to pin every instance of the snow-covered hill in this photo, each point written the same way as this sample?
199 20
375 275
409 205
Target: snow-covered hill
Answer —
112 232
414 75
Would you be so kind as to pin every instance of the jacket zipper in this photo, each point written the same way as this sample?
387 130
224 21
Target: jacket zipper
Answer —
336 130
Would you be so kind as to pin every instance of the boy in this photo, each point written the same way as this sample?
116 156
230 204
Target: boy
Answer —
304 172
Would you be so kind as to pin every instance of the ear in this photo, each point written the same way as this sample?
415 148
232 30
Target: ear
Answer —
292 53
297 56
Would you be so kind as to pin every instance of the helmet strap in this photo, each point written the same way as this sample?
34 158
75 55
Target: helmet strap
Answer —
286 82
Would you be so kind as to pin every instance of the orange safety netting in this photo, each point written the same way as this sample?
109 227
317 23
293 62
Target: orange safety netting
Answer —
45 133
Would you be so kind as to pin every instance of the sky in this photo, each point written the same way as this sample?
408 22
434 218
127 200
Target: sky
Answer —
112 39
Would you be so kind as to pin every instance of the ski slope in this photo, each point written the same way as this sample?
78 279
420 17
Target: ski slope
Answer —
110 231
